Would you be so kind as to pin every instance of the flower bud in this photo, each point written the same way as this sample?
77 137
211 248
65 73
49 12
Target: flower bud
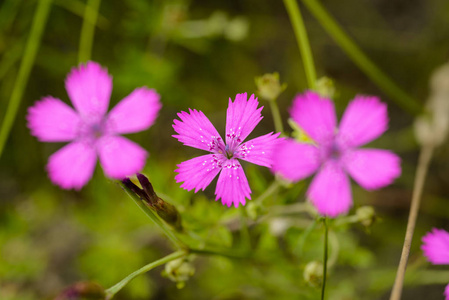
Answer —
366 215
433 127
313 273
168 213
269 87
82 290
164 210
179 271
325 87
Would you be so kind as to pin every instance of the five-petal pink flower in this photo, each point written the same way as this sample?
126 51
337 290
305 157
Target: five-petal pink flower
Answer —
195 130
436 249
90 130
335 153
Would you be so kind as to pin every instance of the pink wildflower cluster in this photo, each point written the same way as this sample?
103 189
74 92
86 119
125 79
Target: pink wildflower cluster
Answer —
436 249
335 153
90 130
195 130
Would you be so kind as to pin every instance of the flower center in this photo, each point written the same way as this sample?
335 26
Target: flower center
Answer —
91 129
229 152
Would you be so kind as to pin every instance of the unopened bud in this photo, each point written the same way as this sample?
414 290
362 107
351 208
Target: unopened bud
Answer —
313 273
168 213
325 87
163 209
82 291
269 87
179 271
433 127
366 215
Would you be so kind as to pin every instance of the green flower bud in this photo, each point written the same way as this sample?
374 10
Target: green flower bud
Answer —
313 273
366 215
269 87
325 87
179 271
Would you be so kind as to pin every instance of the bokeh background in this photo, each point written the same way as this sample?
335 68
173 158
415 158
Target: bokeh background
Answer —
197 54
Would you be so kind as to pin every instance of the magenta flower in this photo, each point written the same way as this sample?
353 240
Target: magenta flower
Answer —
195 130
335 151
436 249
90 130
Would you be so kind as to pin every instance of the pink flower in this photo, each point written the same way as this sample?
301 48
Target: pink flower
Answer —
195 130
335 151
436 248
90 130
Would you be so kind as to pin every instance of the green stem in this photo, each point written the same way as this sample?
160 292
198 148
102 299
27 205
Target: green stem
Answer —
361 60
270 190
34 40
244 230
326 234
303 41
211 250
178 243
276 117
88 29
116 288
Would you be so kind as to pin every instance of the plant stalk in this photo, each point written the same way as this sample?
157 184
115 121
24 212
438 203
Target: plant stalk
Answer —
117 287
423 165
88 29
303 41
401 98
326 237
33 42
168 232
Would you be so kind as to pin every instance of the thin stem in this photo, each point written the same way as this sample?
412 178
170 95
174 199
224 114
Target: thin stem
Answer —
423 165
34 40
276 116
303 41
270 190
244 230
117 287
88 29
326 234
211 250
178 243
401 98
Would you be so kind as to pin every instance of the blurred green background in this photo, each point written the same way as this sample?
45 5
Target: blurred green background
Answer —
197 54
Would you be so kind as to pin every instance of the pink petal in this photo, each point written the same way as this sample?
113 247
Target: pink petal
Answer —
330 190
372 168
259 151
295 161
195 130
120 157
241 117
364 120
446 292
51 120
72 166
436 246
89 87
232 185
315 115
197 173
136 112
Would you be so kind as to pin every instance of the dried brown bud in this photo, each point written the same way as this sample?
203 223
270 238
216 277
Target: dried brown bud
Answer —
82 291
